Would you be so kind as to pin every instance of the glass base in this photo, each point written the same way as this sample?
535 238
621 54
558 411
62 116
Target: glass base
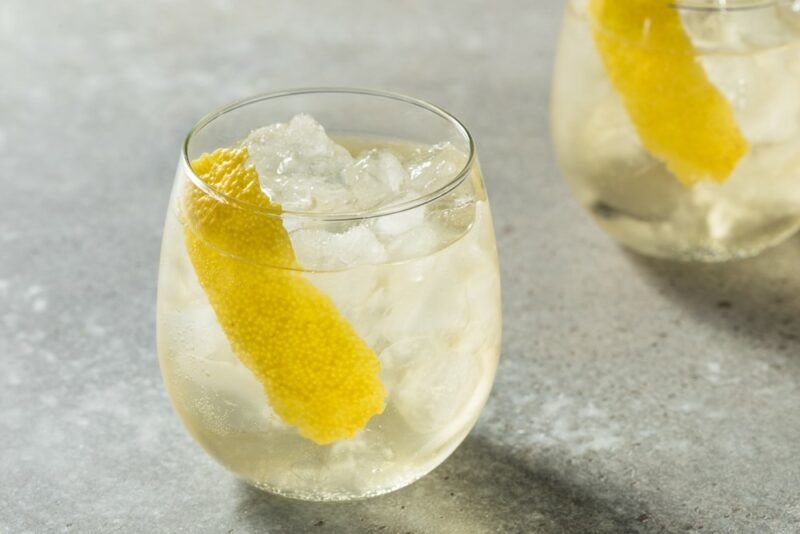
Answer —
667 241
330 496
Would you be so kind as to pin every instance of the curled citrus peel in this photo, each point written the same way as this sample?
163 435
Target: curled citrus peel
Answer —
318 374
680 116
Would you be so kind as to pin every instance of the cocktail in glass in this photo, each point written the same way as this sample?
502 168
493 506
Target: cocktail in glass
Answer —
328 302
677 123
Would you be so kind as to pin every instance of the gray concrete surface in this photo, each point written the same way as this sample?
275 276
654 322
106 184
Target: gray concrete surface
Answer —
633 395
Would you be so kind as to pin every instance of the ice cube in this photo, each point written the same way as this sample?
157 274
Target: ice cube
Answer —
299 165
357 450
234 398
621 171
419 241
454 213
321 249
763 89
358 295
430 383
195 331
313 194
708 30
777 165
375 178
299 147
426 298
399 223
431 168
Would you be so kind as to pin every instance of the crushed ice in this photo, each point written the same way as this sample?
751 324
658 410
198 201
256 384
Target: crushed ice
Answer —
304 170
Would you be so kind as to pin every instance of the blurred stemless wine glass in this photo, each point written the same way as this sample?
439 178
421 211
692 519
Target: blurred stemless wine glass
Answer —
329 297
677 123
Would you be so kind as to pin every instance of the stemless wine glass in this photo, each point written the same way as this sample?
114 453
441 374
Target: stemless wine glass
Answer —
329 355
677 123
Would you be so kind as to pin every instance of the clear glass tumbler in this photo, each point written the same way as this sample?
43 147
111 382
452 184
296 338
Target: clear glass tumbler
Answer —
677 123
335 355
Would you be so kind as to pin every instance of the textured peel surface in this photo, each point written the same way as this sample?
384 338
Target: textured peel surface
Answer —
318 374
680 116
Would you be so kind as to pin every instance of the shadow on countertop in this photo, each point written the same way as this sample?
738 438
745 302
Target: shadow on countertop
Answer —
486 487
757 297
482 488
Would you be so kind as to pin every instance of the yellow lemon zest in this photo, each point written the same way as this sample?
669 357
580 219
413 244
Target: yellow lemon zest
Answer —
318 374
680 116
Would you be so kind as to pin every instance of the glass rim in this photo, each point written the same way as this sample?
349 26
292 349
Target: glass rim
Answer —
336 216
725 5
715 8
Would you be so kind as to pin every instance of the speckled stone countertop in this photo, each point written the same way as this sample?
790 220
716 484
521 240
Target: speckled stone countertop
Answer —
633 395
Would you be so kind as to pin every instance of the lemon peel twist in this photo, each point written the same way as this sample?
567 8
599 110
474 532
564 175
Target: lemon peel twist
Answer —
680 116
318 374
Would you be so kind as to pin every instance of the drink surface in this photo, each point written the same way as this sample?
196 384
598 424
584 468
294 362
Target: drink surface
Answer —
752 58
419 287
